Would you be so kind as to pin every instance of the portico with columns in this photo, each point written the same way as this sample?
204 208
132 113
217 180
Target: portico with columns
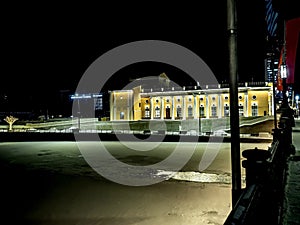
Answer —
170 104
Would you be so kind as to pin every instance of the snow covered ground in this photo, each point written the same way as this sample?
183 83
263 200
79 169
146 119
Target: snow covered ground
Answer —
51 183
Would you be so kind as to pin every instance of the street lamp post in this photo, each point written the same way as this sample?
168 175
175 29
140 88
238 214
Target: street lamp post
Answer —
78 114
234 113
78 97
297 105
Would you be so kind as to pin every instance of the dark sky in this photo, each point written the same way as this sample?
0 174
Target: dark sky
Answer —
44 52
43 48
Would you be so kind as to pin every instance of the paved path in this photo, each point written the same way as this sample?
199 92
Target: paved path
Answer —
292 190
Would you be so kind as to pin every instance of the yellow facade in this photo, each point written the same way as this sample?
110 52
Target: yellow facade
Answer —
260 100
136 104
121 103
137 109
145 106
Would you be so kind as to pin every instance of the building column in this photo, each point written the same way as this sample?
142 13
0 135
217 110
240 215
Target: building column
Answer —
115 105
183 108
128 107
111 106
151 108
207 106
138 109
172 108
162 108
271 108
219 107
246 105
195 107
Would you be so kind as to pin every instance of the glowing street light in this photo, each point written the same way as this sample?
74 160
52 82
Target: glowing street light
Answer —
283 71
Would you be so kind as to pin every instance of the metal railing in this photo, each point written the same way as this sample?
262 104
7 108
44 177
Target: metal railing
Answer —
261 201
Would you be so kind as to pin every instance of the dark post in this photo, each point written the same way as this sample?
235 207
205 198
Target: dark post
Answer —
274 91
234 113
256 166
283 69
274 103
78 114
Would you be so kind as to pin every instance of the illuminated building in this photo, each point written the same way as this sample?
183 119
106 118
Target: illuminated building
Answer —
170 103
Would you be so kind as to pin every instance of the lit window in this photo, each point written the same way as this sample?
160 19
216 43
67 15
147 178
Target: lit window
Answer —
121 115
226 110
157 112
178 112
147 112
213 111
168 114
254 109
241 110
190 111
201 111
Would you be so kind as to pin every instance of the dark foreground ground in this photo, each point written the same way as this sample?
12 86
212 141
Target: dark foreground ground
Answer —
51 183
52 198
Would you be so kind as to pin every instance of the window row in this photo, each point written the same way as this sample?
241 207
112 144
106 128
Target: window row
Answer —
202 99
190 111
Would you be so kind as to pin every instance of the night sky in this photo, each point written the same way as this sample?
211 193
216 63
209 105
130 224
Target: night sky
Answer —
44 54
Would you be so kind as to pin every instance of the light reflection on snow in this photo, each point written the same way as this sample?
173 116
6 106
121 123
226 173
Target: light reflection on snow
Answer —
193 176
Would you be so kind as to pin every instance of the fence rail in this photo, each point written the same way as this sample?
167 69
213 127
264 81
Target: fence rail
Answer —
262 200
